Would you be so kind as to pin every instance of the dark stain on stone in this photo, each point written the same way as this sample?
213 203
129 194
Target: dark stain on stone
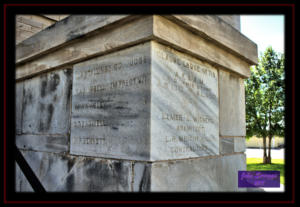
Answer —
101 171
50 115
42 107
71 163
114 128
120 107
118 167
43 88
54 98
50 27
93 168
68 72
28 97
73 35
145 181
69 88
54 82
45 116
106 175
41 126
70 182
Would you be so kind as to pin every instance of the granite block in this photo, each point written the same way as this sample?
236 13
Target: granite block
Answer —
232 105
227 145
240 144
214 174
46 103
184 106
47 143
18 106
142 177
63 173
111 105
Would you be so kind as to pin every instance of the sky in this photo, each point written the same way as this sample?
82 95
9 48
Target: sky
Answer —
264 30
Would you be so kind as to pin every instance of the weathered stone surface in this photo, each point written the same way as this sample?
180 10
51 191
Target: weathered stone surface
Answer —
142 177
232 105
216 29
229 145
46 103
78 174
153 94
111 105
61 173
63 31
41 53
226 145
185 40
18 105
21 184
184 106
233 20
58 143
239 144
94 175
127 34
202 174
227 171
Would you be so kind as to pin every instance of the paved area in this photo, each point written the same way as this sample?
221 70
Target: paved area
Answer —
258 153
281 189
275 154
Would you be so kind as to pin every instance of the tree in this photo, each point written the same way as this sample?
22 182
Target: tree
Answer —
265 99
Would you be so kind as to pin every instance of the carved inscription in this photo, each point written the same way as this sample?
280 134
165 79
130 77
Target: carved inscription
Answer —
180 61
109 105
88 140
88 123
90 105
99 69
190 90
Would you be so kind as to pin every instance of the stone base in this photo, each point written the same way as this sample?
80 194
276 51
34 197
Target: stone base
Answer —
64 173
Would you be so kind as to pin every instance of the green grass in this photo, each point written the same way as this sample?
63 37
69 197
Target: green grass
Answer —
256 164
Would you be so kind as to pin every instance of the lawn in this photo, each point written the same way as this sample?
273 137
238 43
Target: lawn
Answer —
256 164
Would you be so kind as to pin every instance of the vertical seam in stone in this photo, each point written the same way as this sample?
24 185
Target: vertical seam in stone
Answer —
219 95
22 105
132 176
150 99
70 113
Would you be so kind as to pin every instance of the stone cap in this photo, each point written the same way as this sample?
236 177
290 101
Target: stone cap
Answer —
65 38
214 28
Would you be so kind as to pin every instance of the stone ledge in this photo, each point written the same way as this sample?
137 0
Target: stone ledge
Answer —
62 173
41 52
213 28
64 31
104 42
212 175
178 37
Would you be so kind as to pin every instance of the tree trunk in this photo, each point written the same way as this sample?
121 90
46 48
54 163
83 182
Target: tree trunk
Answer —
265 150
269 152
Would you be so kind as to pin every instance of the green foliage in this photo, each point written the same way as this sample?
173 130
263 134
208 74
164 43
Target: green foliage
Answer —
265 96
